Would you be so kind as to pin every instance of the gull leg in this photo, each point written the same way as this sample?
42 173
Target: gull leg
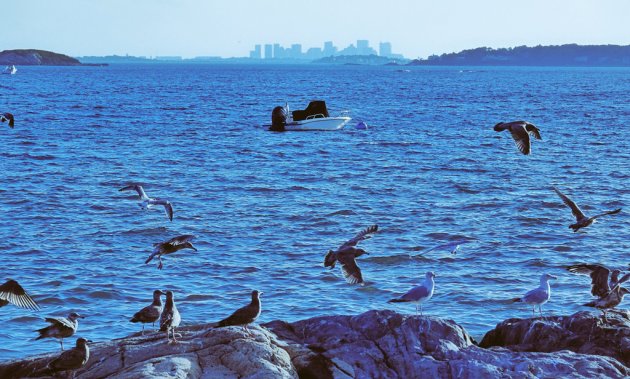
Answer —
416 309
61 342
143 328
160 265
174 340
420 309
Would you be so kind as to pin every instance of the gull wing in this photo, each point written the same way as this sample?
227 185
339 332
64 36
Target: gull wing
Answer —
415 294
138 188
607 213
168 208
577 212
362 235
60 321
533 130
521 138
537 295
180 240
350 269
599 277
13 292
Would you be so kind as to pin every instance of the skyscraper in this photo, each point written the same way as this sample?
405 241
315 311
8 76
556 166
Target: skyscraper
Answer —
256 53
268 51
385 49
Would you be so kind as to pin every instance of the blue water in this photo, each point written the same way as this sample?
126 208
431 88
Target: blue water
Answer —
265 207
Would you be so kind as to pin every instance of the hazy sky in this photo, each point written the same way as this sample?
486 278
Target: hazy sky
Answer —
416 28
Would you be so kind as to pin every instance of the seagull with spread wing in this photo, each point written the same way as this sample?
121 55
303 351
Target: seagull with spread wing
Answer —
450 246
347 254
61 327
147 203
521 131
171 246
582 221
605 284
12 292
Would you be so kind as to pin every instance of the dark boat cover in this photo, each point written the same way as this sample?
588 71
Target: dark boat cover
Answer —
314 108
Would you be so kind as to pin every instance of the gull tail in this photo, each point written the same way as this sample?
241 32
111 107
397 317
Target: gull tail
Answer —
516 300
329 260
590 304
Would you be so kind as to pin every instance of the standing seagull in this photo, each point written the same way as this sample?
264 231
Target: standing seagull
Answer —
538 296
150 313
418 294
60 327
346 255
12 292
147 202
171 246
582 220
72 359
170 318
520 131
603 279
8 117
245 315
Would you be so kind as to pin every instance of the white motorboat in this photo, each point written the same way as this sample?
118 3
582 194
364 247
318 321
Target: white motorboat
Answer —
10 70
314 117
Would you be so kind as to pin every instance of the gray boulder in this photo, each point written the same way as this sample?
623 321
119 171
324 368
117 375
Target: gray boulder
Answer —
385 344
582 332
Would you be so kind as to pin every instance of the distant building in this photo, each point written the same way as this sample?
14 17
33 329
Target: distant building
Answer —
269 51
278 51
296 51
329 49
314 53
256 53
385 49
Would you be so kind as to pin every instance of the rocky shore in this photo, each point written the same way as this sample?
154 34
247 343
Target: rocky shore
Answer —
375 344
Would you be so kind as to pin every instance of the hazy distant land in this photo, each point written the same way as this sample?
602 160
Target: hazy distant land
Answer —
563 55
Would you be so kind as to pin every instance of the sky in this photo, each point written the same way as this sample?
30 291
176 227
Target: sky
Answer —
230 28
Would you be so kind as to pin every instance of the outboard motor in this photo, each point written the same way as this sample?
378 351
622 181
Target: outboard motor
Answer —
278 119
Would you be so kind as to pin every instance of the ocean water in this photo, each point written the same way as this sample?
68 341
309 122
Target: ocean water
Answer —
265 207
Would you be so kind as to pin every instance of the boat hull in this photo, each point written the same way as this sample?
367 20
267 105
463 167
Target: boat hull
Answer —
323 123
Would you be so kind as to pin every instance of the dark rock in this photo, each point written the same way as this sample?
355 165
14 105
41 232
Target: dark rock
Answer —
582 332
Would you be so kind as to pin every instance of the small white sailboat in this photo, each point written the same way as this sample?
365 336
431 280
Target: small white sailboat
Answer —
10 70
314 117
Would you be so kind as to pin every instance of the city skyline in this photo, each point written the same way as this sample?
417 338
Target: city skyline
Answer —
295 51
191 28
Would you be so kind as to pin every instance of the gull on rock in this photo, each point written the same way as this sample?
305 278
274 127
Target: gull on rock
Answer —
538 296
418 294
171 246
12 292
61 327
72 359
147 202
582 221
170 318
244 315
521 131
347 254
150 313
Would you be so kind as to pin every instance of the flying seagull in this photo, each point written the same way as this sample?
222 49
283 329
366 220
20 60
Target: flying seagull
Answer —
520 131
538 296
12 292
147 202
603 279
170 318
418 294
346 255
61 327
245 315
8 117
582 220
171 246
150 313
450 246
72 359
